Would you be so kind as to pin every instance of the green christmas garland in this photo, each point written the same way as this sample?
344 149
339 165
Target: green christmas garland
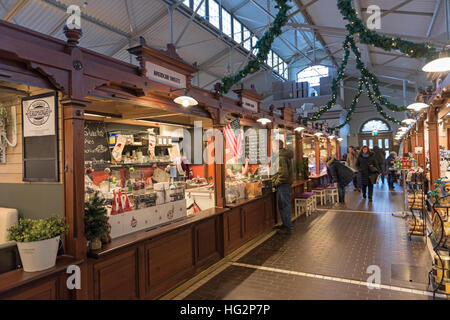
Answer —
368 79
263 45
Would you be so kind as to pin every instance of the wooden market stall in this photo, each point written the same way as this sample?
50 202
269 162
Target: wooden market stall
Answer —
101 100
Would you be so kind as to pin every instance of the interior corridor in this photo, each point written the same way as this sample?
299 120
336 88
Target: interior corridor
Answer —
327 257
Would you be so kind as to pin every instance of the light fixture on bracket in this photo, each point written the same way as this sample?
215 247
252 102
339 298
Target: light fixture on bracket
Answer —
442 64
186 100
332 136
299 129
409 121
264 121
340 139
418 106
318 134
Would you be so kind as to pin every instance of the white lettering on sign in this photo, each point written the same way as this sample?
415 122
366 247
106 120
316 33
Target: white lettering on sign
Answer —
250 104
165 75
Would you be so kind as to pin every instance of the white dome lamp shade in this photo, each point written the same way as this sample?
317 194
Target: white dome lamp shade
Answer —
340 139
439 65
185 100
264 121
409 121
299 129
417 106
404 129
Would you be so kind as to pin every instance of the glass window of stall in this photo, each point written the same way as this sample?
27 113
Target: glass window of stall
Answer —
247 169
309 151
323 147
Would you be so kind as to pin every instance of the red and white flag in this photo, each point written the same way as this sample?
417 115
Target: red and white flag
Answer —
233 136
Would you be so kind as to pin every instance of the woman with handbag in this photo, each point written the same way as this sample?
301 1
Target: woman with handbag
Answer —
369 170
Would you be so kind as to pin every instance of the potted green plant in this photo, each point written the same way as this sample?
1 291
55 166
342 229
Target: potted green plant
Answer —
38 241
96 224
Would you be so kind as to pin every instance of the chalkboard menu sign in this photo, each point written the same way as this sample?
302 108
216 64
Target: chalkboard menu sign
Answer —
96 146
255 145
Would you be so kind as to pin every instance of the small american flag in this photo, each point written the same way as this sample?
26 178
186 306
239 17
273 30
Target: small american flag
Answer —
234 141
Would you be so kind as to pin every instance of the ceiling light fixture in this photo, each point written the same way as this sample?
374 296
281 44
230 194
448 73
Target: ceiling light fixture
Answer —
264 121
299 129
318 134
417 106
186 100
340 139
409 121
442 64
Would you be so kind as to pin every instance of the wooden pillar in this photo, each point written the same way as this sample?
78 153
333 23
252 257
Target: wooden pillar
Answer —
433 133
329 147
298 151
75 242
219 168
317 154
421 143
413 143
338 150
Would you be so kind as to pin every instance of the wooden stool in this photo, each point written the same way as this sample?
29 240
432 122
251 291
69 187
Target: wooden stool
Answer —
320 195
332 195
304 203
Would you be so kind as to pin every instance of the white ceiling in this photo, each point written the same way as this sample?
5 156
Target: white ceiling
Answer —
112 26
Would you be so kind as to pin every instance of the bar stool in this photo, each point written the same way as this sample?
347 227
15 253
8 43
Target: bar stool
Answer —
304 203
320 194
331 195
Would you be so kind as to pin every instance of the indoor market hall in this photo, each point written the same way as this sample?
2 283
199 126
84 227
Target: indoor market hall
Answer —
214 156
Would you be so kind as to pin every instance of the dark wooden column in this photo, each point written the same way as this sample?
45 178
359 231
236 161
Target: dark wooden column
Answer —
329 147
219 172
433 133
317 151
338 150
298 151
413 143
421 142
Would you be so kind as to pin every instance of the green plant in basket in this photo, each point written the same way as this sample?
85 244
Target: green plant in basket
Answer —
27 230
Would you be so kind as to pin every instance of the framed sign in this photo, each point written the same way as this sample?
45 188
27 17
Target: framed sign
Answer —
250 104
39 115
40 147
164 75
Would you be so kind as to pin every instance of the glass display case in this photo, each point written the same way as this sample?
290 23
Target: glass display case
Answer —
309 151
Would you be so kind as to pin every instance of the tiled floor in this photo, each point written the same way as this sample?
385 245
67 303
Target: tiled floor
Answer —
327 257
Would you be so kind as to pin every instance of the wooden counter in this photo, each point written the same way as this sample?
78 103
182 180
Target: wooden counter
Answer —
43 285
147 264
246 219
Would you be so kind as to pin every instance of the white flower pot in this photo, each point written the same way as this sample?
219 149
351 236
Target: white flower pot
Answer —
38 255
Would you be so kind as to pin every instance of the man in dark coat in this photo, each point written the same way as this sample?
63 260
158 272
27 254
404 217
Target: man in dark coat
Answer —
380 157
341 174
369 171
390 169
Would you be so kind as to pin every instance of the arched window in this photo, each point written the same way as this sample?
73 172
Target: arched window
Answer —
375 125
312 75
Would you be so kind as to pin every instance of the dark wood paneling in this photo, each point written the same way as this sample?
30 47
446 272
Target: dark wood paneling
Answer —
169 260
43 290
269 211
233 229
253 218
117 277
207 243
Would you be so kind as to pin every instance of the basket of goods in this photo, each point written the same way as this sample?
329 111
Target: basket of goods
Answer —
253 189
416 227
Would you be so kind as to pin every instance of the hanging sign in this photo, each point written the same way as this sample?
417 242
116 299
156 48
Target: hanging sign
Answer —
419 150
249 104
164 75
39 116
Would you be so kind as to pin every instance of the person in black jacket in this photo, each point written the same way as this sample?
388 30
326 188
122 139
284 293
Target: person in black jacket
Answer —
381 158
390 169
341 174
369 170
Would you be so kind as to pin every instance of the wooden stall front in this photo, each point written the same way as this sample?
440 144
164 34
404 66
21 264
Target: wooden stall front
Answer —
147 263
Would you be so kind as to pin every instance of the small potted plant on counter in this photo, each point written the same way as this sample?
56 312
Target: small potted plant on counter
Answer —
96 226
38 241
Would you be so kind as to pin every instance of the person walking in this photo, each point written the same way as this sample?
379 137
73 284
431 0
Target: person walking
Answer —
352 157
282 180
369 170
381 159
341 174
390 169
